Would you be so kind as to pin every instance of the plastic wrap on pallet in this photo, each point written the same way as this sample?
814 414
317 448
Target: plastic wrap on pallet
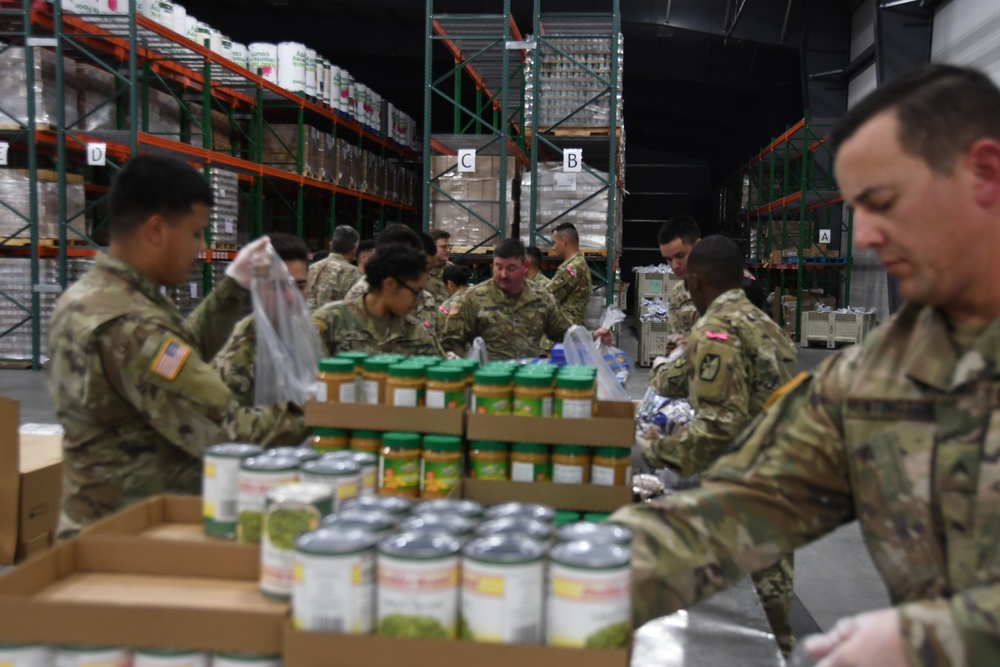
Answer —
95 98
475 217
14 87
328 162
558 193
281 148
224 216
15 193
16 308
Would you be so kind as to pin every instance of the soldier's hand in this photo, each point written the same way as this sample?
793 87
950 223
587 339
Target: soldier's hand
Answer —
253 255
872 639
676 340
604 334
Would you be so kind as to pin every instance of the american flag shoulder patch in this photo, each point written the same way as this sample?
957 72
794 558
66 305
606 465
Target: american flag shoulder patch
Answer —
171 358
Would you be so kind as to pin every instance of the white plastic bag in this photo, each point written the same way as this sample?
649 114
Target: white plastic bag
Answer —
288 347
478 351
580 348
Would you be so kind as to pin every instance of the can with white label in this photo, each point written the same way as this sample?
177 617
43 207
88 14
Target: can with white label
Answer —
503 590
342 475
455 525
220 486
26 655
245 660
394 505
368 463
589 595
605 533
530 510
258 475
92 656
292 509
374 521
470 509
168 658
334 588
418 585
515 525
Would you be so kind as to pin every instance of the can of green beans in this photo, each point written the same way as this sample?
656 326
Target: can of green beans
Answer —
292 509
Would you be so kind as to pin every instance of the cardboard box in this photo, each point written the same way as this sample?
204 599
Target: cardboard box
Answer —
118 591
614 426
385 418
164 517
324 649
30 487
576 497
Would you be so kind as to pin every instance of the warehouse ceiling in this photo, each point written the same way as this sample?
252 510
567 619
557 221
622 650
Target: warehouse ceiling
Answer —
710 80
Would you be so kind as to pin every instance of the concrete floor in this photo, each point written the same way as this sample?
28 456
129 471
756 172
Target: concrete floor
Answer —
834 577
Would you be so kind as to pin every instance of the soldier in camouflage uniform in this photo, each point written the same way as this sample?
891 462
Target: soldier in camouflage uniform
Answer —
508 312
534 273
438 263
739 357
900 433
129 376
379 321
331 278
236 362
571 284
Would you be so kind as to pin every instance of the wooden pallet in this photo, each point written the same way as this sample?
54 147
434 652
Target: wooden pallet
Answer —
10 126
488 250
21 242
15 365
229 247
582 132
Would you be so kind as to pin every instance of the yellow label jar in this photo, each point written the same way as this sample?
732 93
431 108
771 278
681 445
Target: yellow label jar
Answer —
359 368
440 465
570 464
406 384
375 377
445 387
492 392
399 465
532 393
575 396
366 441
329 439
336 381
489 459
611 466
530 462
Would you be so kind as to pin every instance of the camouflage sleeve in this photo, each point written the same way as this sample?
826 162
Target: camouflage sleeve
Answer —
671 380
181 396
562 284
556 322
780 485
314 272
320 293
236 362
958 631
325 320
457 327
214 318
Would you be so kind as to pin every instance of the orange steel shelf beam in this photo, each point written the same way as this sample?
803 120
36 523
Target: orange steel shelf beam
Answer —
440 148
773 146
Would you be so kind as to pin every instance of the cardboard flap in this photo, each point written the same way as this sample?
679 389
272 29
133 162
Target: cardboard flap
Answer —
578 497
384 418
614 426
10 478
122 554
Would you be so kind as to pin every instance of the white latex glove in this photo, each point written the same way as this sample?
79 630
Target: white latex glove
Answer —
870 639
253 255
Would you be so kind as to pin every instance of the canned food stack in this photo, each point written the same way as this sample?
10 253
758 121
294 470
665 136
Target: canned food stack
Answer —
15 191
14 87
225 213
559 193
34 655
281 148
15 308
188 295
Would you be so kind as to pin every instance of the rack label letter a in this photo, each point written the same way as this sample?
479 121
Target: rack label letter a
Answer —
97 155
466 160
824 236
573 159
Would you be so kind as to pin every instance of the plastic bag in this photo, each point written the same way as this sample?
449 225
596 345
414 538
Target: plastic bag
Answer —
288 347
478 351
580 348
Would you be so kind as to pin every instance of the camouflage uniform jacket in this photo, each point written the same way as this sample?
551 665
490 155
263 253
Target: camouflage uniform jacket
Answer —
236 362
511 325
682 315
901 433
347 326
435 283
571 286
330 279
425 312
739 357
540 280
132 388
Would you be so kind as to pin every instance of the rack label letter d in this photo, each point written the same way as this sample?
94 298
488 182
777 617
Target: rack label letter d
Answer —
97 154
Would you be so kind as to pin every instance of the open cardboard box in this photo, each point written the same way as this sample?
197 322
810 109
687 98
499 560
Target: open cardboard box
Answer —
576 497
613 426
164 517
384 418
324 649
119 591
30 487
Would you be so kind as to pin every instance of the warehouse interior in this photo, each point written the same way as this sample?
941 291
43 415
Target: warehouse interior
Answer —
712 92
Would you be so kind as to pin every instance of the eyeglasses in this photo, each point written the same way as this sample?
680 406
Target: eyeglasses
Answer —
417 293
444 246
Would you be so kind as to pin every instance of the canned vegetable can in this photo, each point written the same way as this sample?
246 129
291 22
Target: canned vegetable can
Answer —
392 504
26 655
292 509
530 510
418 585
87 656
467 508
375 521
220 486
342 475
588 603
603 533
245 660
258 475
168 658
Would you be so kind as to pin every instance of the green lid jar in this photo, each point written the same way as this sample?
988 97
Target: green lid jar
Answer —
530 462
336 381
489 459
565 517
492 391
366 441
446 387
575 396
570 464
440 465
406 384
611 466
533 394
329 439
399 465
596 517
374 378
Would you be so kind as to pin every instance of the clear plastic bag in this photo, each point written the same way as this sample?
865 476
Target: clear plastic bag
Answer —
288 347
580 348
478 351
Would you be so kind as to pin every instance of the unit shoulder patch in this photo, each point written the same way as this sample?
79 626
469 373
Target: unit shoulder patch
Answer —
709 368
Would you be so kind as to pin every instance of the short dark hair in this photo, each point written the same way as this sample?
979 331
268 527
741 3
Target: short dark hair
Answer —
681 227
941 109
438 234
754 292
151 185
718 261
457 273
345 239
368 245
429 244
567 230
534 255
510 249
289 248
398 233
400 261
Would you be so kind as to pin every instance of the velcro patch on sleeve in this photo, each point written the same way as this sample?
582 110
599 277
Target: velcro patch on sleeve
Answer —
171 358
716 336
571 271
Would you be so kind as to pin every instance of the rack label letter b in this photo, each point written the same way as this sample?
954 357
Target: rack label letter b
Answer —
97 154
573 159
4 147
466 160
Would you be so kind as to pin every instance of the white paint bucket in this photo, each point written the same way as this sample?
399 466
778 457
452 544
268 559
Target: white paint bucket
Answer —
263 56
292 66
240 54
310 72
